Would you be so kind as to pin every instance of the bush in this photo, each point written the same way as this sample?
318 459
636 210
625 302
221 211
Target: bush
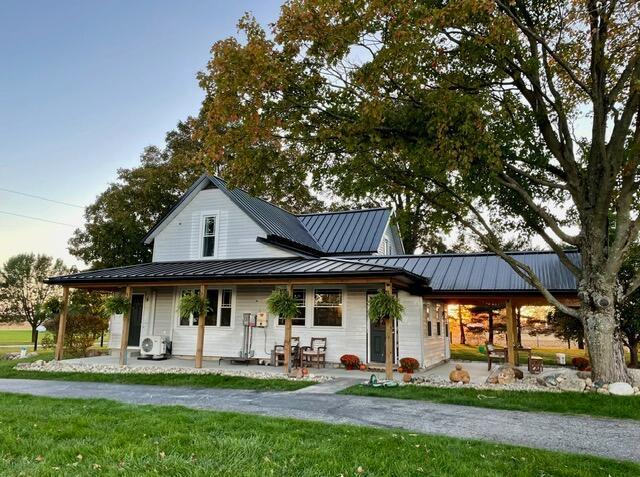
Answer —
81 331
580 363
350 361
409 365
47 342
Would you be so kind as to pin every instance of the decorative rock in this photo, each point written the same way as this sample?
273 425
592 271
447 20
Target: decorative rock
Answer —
588 382
584 374
406 377
621 389
506 376
549 379
459 375
509 373
635 376
572 383
603 391
518 372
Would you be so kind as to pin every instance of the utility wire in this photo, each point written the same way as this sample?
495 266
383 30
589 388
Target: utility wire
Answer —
41 198
36 218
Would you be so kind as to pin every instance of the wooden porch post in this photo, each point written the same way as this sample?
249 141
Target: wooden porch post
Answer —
388 336
63 323
287 336
511 334
124 336
200 338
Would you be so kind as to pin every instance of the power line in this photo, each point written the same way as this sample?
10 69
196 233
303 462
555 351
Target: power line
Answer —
36 218
41 198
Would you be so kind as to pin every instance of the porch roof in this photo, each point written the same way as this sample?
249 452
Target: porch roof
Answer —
241 269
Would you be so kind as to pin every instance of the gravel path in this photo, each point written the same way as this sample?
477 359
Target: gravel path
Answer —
616 439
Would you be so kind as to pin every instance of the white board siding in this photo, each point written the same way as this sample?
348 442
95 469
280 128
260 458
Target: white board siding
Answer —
351 338
434 347
393 250
115 322
181 238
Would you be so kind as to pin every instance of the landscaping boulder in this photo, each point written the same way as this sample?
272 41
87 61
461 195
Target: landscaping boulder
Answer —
621 389
635 376
550 379
459 375
584 374
571 382
505 374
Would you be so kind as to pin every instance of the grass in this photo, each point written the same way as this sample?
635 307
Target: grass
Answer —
51 437
18 337
621 407
471 353
7 370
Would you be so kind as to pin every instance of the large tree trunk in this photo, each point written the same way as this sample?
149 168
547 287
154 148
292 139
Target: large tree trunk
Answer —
490 327
463 338
597 312
580 342
34 333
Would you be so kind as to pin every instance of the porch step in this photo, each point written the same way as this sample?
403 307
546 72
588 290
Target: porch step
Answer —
329 387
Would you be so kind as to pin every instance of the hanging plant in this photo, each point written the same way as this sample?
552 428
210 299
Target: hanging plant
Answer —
116 304
192 304
383 305
281 304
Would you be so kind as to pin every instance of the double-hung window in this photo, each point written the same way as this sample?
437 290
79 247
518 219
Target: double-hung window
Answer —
386 246
300 296
209 236
327 307
219 308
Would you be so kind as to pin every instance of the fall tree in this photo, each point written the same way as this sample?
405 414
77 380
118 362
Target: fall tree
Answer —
519 115
23 292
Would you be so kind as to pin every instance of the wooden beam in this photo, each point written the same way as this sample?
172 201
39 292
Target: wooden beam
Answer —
201 320
62 323
388 336
511 334
287 336
124 336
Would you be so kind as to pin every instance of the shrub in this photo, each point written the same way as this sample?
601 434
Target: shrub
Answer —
47 342
580 363
81 331
409 364
350 361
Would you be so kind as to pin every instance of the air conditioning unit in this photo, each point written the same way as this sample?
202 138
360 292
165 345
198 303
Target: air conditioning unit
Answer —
154 347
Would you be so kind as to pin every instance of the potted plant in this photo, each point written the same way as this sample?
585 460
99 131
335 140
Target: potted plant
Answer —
282 303
350 361
386 306
116 304
409 365
192 304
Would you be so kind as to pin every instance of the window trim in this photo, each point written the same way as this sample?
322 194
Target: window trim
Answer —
386 246
191 326
306 312
201 236
342 290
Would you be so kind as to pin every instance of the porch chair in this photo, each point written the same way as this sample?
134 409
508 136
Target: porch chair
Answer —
314 355
494 354
277 355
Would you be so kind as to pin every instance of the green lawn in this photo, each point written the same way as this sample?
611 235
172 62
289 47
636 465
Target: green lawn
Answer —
622 407
7 370
51 437
471 353
18 337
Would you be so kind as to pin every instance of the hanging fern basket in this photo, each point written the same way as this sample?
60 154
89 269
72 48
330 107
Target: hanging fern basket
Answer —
281 304
192 304
116 304
383 305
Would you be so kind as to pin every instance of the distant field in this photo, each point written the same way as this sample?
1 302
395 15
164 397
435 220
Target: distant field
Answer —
17 337
472 353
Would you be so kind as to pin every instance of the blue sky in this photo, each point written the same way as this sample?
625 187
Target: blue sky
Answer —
84 87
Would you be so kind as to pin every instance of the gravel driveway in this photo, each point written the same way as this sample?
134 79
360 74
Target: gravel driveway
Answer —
612 438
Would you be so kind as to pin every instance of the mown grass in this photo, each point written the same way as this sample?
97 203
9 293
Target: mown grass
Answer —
51 437
620 407
18 337
7 370
471 353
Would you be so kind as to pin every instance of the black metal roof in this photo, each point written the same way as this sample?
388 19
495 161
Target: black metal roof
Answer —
351 231
257 268
358 231
483 272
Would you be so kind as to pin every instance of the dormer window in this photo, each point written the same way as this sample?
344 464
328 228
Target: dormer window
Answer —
209 236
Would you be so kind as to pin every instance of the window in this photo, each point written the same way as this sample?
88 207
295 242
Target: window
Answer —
386 246
446 330
219 305
300 295
327 307
209 237
438 328
429 332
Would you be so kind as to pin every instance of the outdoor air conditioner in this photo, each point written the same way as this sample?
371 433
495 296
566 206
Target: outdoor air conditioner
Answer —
155 347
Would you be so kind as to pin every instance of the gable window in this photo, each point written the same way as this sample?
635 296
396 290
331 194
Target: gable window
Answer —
386 246
327 307
209 236
300 296
219 309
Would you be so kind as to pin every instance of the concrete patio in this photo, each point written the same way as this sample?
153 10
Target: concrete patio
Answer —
477 369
